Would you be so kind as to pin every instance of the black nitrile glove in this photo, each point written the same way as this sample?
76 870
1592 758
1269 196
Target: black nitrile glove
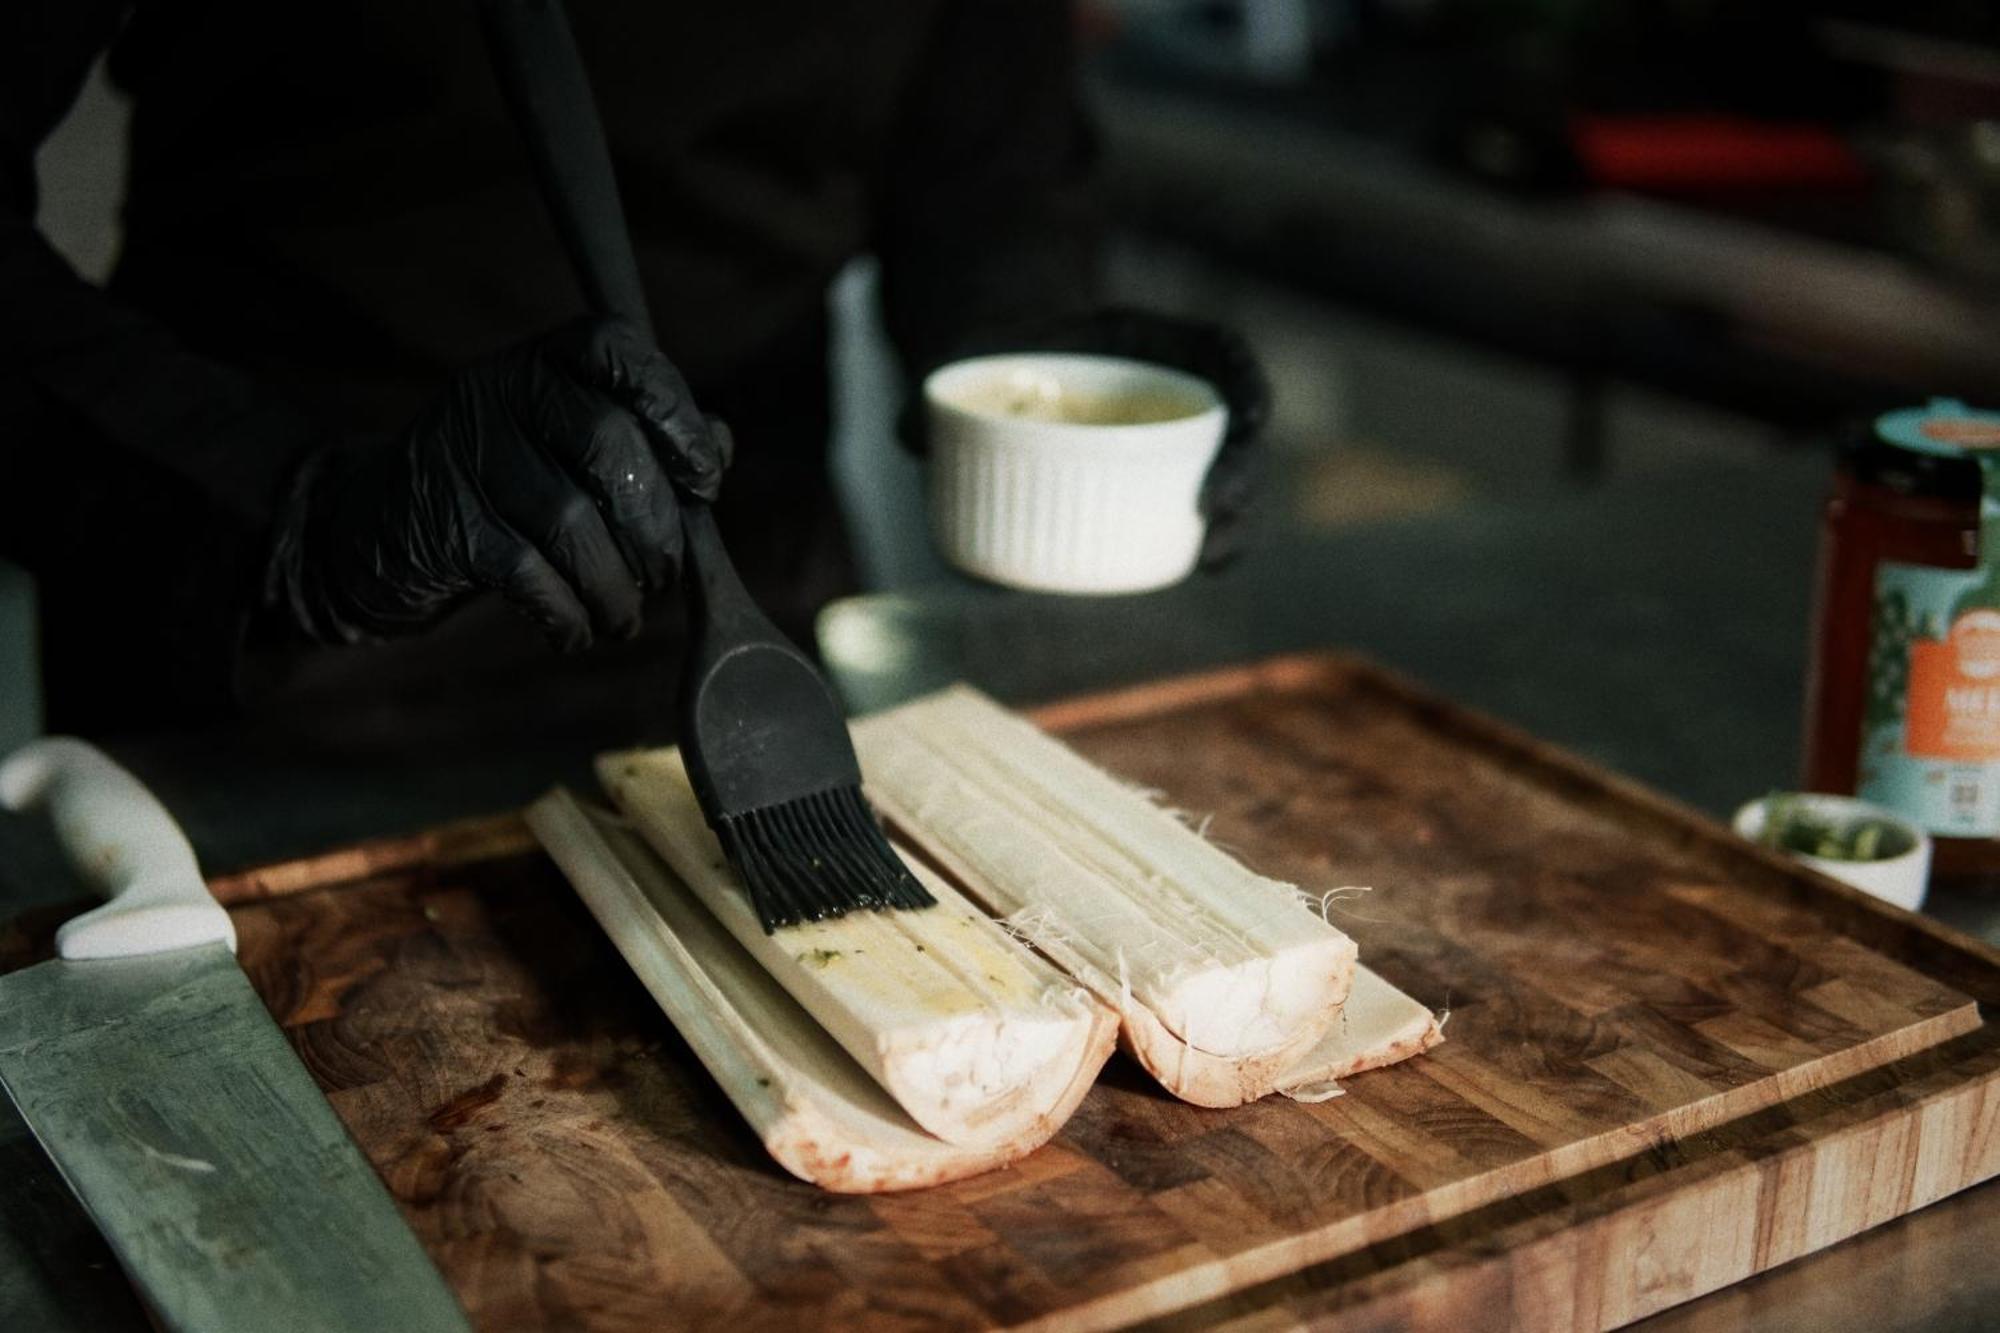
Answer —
1212 352
547 474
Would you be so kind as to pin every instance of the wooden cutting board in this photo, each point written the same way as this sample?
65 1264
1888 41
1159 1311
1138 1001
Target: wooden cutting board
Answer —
1672 1061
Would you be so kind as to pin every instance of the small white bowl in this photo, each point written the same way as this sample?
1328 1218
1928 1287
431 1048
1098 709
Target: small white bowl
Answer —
1897 879
1021 496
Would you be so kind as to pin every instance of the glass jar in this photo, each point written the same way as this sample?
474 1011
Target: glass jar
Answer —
1903 691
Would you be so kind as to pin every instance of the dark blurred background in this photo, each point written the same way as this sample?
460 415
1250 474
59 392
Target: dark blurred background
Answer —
1520 269
1488 245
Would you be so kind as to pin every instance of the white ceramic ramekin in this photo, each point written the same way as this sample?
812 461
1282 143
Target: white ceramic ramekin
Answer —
1069 506
1897 879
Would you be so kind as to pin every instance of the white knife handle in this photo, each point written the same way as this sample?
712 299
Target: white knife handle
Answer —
125 843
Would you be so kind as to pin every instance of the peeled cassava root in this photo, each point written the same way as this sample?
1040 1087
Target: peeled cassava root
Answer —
819 1114
1224 981
975 1037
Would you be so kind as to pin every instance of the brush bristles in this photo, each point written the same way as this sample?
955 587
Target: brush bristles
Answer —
815 858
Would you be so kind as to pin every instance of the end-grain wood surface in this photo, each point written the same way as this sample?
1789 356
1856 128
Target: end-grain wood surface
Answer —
1672 1061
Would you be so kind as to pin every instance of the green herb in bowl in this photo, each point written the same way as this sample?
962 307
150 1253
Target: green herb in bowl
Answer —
1792 825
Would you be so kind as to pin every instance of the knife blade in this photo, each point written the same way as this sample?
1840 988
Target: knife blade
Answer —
172 1105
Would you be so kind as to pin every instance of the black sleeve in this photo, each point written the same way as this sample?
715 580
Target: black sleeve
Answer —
988 216
137 478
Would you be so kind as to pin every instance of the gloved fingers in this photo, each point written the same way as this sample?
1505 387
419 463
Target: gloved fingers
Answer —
531 585
1222 545
581 548
540 505
1229 493
1239 377
1228 534
613 357
602 448
724 440
1232 482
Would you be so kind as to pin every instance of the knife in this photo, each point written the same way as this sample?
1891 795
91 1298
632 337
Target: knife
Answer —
173 1106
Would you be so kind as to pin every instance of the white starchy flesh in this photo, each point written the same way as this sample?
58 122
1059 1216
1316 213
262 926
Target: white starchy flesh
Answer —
1225 979
1379 1025
971 1033
819 1114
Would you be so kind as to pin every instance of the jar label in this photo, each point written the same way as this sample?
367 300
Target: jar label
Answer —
1930 738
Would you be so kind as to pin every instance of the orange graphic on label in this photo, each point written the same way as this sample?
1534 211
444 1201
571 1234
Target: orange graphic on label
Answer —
1963 433
1953 698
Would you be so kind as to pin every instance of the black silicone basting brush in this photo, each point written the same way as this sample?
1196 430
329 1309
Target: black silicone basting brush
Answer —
764 738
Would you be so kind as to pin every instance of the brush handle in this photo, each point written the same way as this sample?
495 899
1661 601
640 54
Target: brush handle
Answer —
730 613
542 77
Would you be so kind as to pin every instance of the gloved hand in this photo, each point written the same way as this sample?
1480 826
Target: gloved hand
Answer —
547 473
1212 352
